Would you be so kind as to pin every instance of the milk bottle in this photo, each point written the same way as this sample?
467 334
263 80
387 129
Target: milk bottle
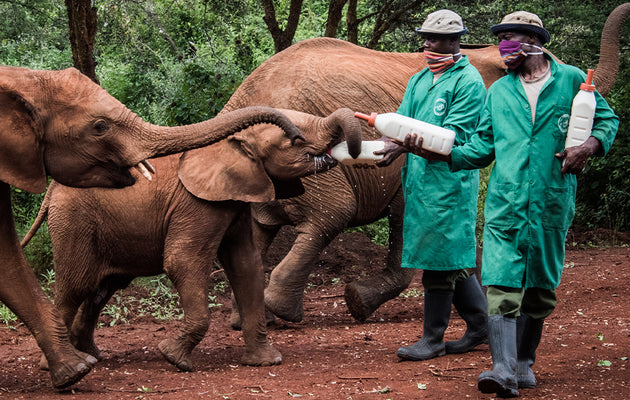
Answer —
434 138
367 156
582 113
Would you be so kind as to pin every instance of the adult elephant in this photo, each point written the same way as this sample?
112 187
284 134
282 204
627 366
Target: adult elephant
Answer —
316 76
62 124
196 209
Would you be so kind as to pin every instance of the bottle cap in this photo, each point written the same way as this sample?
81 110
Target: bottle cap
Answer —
369 118
588 86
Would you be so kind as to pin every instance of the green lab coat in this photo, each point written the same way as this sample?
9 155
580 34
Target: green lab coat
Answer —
529 204
441 206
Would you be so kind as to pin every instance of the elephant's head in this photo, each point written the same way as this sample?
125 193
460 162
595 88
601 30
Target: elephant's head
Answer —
62 124
260 164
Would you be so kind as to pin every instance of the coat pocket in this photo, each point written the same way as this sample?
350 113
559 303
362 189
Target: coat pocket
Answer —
499 209
559 208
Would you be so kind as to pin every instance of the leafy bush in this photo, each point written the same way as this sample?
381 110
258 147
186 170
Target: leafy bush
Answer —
377 231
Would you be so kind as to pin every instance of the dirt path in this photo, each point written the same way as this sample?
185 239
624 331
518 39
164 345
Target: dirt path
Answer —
583 355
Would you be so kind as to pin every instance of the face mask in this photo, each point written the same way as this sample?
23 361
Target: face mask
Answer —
512 53
439 62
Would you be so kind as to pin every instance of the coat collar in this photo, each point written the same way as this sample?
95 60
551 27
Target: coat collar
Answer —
515 81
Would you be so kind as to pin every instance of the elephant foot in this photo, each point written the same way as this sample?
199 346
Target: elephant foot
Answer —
174 354
235 320
69 370
285 306
263 356
88 347
94 352
362 300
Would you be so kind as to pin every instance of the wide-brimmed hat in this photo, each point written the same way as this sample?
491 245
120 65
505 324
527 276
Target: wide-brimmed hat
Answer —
522 21
443 22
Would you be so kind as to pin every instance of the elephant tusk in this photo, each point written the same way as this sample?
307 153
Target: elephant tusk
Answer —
148 165
146 169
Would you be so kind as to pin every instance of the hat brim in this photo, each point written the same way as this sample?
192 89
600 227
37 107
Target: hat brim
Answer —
419 31
541 32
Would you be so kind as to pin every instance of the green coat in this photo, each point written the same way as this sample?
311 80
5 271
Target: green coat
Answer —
441 206
529 204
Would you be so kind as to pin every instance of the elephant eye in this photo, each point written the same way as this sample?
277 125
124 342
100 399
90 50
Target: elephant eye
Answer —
101 126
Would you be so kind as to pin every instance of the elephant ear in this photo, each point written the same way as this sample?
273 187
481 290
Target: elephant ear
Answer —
225 171
21 152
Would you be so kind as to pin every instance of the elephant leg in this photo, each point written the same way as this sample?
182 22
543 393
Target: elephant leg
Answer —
244 268
285 292
21 292
365 295
263 237
189 250
86 319
192 284
82 320
235 316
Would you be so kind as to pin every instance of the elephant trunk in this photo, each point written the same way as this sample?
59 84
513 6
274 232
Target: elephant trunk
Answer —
608 65
344 119
158 141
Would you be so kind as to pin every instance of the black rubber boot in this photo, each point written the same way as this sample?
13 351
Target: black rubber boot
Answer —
471 304
437 311
528 334
502 379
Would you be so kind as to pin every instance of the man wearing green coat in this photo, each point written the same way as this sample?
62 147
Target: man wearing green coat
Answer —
530 201
441 207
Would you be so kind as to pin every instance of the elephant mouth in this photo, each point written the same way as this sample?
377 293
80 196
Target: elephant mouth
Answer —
323 161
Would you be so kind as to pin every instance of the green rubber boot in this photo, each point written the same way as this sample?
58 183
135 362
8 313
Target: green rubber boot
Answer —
529 332
471 304
502 379
437 311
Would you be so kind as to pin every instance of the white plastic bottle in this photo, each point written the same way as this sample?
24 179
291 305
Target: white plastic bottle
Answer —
367 156
582 113
434 138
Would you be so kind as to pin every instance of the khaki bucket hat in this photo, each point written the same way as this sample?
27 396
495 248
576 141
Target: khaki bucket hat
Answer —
443 22
522 21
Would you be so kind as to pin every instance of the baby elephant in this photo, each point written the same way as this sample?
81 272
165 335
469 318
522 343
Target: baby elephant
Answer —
196 209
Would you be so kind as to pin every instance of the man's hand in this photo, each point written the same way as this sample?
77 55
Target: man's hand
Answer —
575 158
413 144
390 152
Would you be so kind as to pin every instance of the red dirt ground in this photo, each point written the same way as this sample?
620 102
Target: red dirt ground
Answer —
584 353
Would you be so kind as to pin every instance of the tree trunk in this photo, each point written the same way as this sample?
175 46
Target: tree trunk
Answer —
389 15
335 9
82 31
352 22
282 38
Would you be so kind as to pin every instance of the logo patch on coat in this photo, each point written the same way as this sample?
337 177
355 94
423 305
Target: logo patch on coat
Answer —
439 108
563 123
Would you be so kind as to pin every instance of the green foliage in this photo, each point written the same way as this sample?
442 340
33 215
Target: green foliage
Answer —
39 251
7 317
162 301
377 231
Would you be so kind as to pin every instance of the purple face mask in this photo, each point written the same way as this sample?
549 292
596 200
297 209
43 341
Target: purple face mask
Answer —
512 53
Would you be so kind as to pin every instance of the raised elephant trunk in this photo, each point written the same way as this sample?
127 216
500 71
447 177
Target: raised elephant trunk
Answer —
158 140
608 65
344 119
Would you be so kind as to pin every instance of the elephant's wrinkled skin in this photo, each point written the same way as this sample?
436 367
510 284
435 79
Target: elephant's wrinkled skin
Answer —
195 209
316 76
60 123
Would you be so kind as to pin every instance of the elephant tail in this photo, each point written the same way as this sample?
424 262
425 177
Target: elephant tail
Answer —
41 216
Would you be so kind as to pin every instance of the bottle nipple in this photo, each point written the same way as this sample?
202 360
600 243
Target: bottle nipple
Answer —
369 118
588 86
